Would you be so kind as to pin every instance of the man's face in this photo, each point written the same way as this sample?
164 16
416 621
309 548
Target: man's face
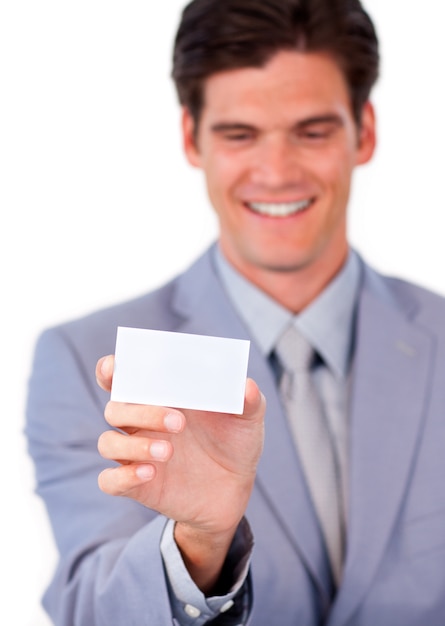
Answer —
278 146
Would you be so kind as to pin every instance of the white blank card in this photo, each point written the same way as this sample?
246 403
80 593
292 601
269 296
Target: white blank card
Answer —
180 370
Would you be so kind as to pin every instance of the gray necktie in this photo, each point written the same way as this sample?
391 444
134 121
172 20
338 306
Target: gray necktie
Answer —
313 440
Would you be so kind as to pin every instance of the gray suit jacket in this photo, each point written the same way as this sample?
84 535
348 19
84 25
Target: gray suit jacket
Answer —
110 570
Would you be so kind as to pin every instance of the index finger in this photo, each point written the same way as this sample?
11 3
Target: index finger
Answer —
104 372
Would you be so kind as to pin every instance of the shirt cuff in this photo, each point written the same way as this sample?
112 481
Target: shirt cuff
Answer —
189 605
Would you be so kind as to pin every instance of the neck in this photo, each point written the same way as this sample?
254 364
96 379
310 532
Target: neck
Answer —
295 289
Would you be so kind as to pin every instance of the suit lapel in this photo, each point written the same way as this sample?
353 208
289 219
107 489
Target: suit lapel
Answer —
390 385
202 303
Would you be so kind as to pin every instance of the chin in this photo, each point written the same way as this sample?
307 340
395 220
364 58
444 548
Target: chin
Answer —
285 264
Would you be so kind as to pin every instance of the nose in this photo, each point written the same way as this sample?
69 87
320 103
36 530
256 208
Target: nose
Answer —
276 165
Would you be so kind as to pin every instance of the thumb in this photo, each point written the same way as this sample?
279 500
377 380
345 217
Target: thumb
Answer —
104 372
254 401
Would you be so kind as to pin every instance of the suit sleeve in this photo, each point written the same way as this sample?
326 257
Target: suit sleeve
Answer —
110 568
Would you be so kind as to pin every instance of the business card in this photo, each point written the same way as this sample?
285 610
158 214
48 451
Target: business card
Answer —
180 370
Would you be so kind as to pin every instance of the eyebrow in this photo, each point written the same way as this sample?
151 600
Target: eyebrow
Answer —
222 127
330 118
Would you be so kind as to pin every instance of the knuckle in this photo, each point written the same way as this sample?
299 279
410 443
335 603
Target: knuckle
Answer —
109 412
101 443
145 446
150 416
104 444
120 484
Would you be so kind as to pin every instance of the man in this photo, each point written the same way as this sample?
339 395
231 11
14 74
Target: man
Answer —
225 521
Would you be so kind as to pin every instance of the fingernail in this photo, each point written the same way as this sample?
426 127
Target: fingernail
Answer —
145 472
173 422
159 450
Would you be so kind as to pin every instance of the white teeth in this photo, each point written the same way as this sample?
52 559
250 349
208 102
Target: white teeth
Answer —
282 209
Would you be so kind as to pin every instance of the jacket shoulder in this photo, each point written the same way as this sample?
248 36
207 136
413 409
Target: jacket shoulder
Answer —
427 306
94 335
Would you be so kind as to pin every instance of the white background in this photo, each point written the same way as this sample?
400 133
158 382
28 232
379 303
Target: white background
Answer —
97 202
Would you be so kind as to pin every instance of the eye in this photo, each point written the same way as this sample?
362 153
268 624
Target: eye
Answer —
238 136
317 132
313 134
234 134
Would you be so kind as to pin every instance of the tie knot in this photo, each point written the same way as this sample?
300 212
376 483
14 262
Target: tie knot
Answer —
294 351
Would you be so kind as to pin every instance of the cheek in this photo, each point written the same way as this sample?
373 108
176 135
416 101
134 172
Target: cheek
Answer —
334 172
223 175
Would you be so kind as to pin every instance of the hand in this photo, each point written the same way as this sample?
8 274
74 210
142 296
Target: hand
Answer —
195 467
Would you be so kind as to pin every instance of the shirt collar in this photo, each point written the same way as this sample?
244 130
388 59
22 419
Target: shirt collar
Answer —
328 322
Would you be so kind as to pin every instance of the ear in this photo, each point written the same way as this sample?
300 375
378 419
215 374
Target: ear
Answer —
189 139
366 135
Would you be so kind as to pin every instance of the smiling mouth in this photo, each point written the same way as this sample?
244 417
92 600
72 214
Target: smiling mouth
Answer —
279 209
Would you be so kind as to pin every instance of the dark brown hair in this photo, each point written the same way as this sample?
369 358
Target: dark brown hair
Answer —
217 35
